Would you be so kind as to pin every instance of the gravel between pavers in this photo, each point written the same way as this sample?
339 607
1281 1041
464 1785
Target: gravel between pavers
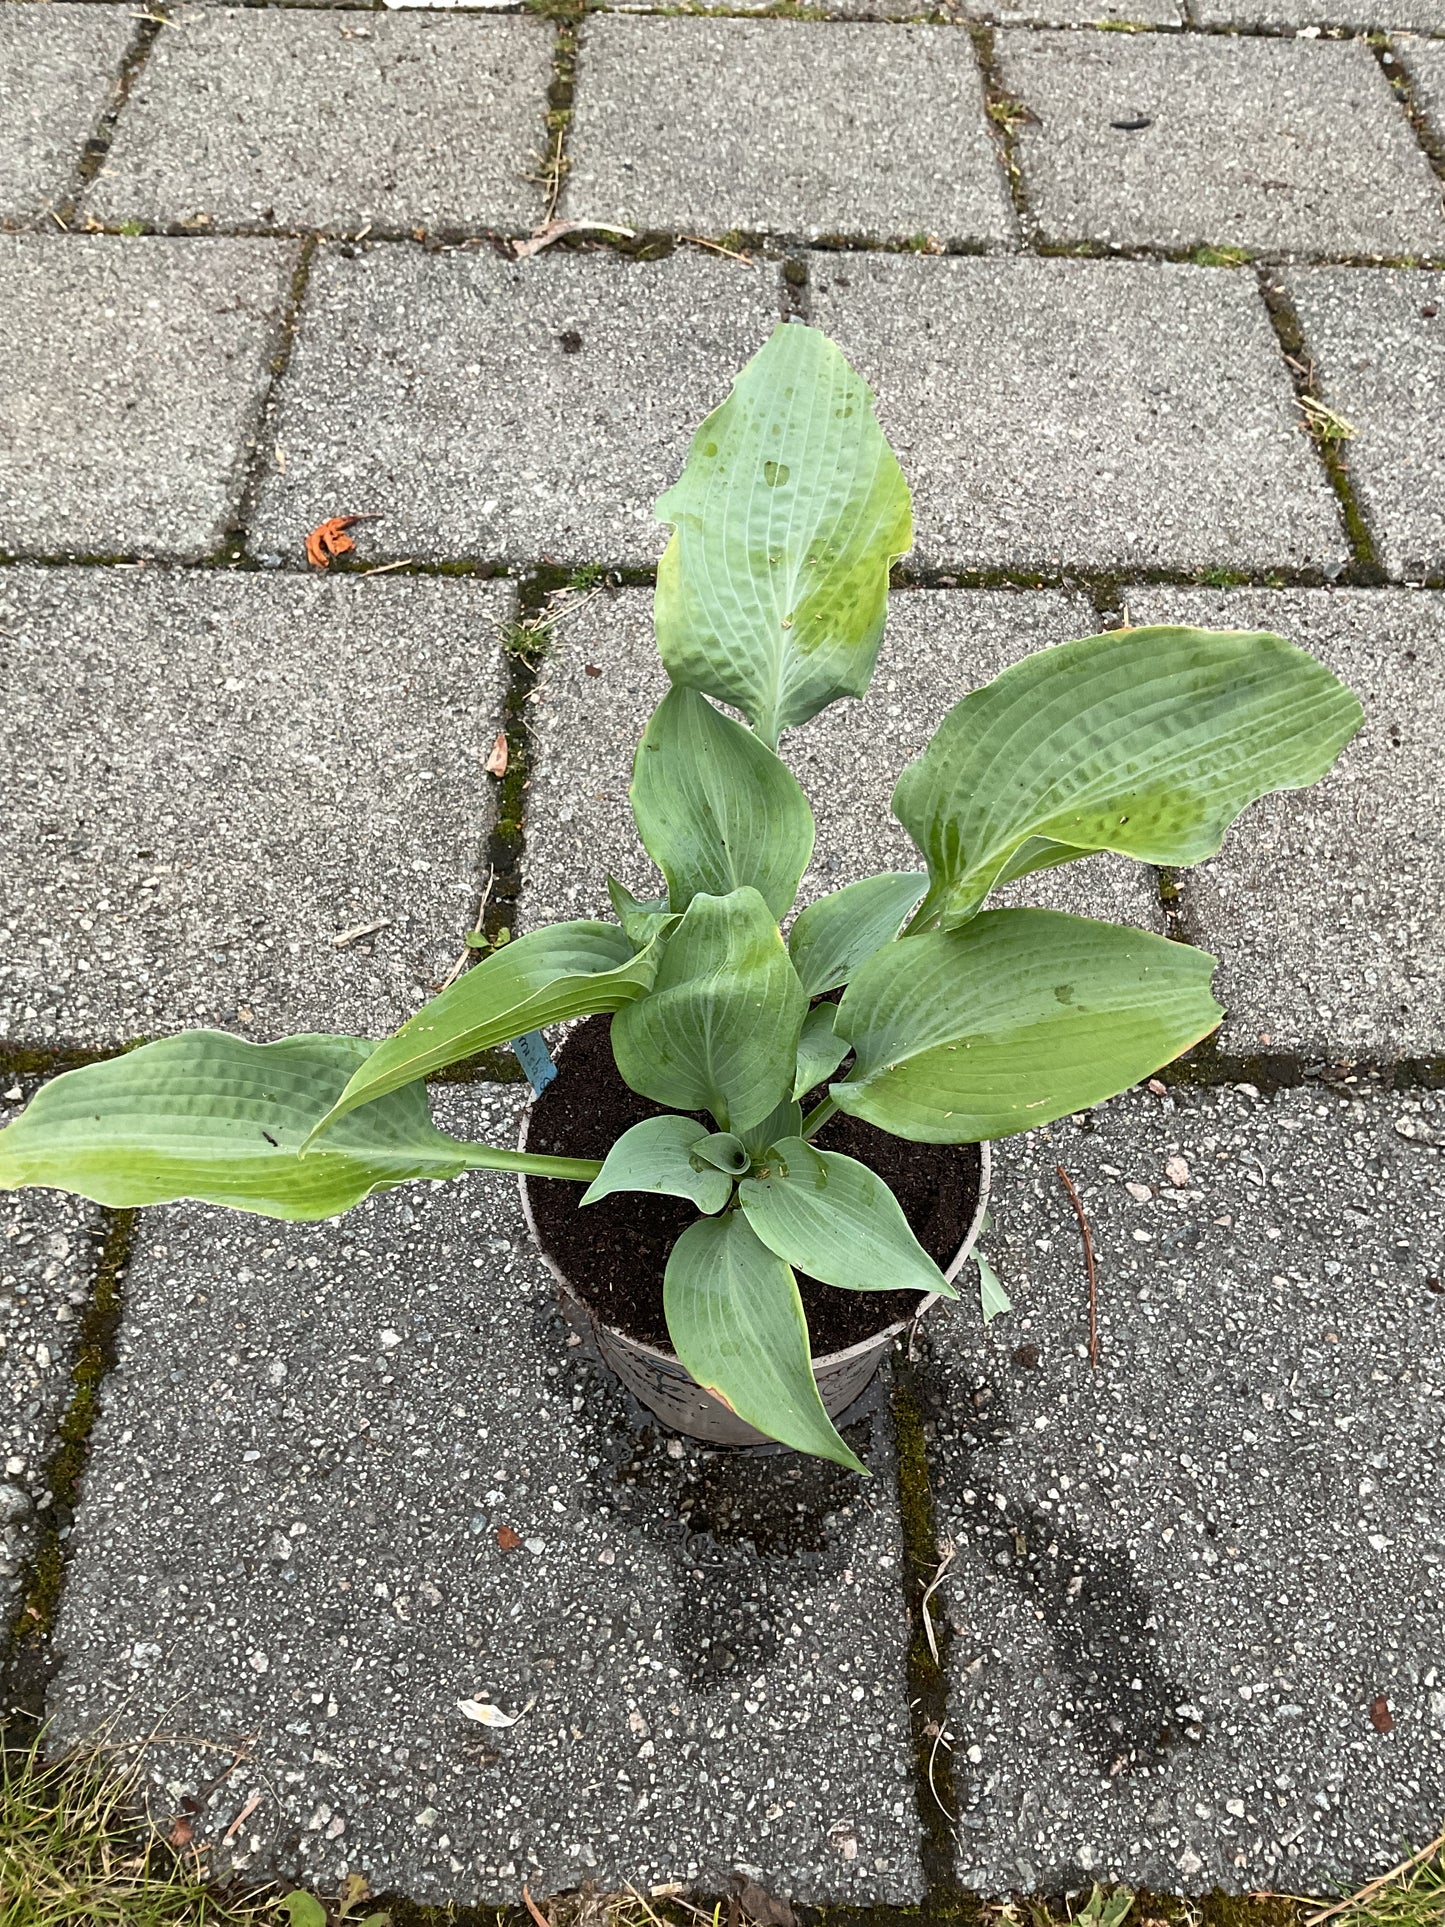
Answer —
1183 1584
289 1532
211 776
602 679
48 1250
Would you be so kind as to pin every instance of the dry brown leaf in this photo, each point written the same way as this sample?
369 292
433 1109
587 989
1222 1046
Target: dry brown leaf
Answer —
329 539
508 1540
497 761
1381 1717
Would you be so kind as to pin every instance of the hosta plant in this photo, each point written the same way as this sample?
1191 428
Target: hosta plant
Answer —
956 1022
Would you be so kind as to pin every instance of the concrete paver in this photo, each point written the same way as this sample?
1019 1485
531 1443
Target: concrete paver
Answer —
505 411
602 680
1325 905
1184 1581
1095 414
48 1249
133 378
283 117
1424 63
1377 342
1423 16
872 131
58 70
210 777
1259 143
706 1650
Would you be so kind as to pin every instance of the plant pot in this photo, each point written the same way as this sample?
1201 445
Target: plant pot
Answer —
657 1378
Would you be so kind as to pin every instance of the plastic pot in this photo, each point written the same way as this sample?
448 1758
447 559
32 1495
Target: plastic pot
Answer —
658 1379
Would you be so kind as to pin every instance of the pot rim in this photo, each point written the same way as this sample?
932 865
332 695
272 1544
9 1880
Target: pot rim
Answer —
884 1335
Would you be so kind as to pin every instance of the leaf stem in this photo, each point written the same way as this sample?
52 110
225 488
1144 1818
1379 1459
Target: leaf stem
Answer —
818 1117
486 1157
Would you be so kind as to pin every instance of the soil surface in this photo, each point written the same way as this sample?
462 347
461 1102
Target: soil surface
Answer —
615 1252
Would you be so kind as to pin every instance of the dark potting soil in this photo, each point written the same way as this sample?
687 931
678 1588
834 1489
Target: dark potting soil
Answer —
615 1252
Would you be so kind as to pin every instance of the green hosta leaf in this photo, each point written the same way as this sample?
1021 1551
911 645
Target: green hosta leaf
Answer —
838 932
836 1220
719 1031
785 1121
659 1155
820 1049
715 808
992 1298
210 1116
1147 741
724 1151
642 918
772 592
571 970
1013 1020
736 1322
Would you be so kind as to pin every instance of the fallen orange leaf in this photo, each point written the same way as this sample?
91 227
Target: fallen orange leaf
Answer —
497 761
329 539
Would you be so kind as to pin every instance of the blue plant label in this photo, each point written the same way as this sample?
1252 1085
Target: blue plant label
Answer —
535 1059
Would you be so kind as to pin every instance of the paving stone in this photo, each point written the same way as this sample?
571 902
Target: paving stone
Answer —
505 410
707 1650
1325 906
48 1249
1426 16
939 645
1100 414
211 776
58 69
134 374
1080 13
1256 143
1424 62
282 117
877 132
1183 1582
1377 340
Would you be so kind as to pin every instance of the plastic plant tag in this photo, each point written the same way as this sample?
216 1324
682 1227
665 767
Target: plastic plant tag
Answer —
992 1297
536 1060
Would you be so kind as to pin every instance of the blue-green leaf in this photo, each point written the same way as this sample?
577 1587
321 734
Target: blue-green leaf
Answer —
820 1049
715 807
1013 1020
210 1116
736 1322
833 936
834 1219
992 1298
568 970
724 1151
661 1154
719 1031
772 592
1145 741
